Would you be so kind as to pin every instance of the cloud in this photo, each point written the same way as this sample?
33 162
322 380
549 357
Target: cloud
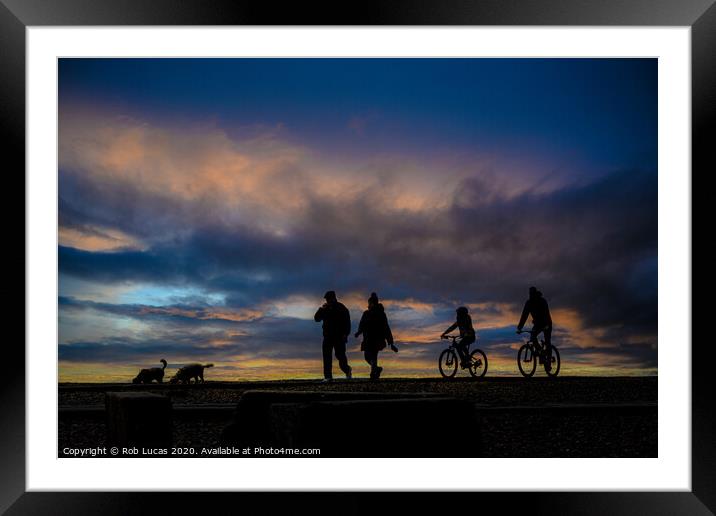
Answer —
94 239
589 246
188 313
267 226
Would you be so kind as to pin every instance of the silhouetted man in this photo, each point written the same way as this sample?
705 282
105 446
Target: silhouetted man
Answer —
336 328
536 306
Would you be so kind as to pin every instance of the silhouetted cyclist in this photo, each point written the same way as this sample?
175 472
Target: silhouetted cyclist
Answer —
376 332
537 306
336 328
467 334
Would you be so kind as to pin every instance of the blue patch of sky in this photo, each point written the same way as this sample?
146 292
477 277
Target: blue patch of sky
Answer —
164 295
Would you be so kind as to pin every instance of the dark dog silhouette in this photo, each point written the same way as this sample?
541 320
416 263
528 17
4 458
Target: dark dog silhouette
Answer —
154 373
189 371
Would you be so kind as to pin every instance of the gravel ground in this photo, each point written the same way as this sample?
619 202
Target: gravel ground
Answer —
604 434
530 431
492 391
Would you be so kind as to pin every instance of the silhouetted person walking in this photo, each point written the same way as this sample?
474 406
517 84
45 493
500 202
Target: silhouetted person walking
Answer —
336 328
467 334
537 306
376 332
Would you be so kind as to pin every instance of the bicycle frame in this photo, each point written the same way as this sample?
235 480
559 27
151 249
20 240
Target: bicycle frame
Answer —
535 345
466 360
453 346
533 352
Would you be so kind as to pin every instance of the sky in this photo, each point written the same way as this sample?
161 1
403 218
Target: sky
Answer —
206 205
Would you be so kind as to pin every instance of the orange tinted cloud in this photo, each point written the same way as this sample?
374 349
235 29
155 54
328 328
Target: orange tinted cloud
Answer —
242 315
94 239
261 176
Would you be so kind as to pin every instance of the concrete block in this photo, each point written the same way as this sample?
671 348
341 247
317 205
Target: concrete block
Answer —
252 420
429 427
354 424
138 419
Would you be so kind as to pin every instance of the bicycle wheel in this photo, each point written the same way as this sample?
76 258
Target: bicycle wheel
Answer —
447 363
526 360
556 363
478 363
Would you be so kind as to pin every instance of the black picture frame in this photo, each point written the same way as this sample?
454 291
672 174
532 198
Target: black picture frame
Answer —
17 15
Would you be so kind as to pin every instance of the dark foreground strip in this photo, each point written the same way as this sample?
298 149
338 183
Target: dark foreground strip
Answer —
226 409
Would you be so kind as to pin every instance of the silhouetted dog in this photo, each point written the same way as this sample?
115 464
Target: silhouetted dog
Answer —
155 373
189 371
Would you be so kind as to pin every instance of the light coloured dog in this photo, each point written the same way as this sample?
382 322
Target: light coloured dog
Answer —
189 371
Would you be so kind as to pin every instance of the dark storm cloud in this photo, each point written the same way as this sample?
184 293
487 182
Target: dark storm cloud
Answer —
116 266
590 248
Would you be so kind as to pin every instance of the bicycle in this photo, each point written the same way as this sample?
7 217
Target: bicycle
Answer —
531 351
448 361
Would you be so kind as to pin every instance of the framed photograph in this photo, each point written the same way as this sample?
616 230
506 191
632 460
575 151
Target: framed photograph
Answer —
302 251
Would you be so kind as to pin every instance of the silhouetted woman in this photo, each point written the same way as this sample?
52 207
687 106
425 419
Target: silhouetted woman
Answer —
376 332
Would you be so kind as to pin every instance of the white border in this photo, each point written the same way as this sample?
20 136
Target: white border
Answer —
671 471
